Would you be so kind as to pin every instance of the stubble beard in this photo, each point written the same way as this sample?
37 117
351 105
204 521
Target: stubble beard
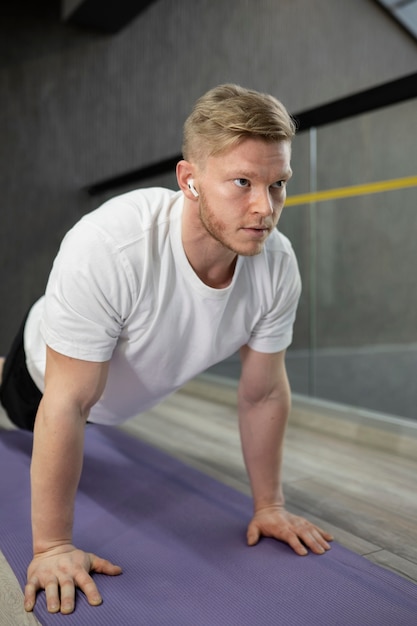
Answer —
215 228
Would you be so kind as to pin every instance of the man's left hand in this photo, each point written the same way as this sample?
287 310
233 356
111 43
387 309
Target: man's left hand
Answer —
299 533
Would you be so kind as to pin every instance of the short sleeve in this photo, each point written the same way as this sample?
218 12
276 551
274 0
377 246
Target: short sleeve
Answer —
88 295
274 331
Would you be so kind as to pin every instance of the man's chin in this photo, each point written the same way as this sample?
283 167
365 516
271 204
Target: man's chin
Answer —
252 250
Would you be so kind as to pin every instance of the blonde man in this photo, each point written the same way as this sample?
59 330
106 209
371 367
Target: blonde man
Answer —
148 291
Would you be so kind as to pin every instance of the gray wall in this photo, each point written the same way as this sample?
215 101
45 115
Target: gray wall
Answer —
77 106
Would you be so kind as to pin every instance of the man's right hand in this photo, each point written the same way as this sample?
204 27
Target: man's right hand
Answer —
59 571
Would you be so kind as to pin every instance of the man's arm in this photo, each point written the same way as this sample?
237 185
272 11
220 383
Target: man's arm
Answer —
72 387
264 401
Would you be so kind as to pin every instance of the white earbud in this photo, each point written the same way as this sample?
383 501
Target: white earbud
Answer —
192 188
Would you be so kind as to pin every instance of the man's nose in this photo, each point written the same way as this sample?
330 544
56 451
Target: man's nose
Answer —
262 203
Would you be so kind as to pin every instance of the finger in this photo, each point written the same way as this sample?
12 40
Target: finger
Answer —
313 540
67 596
294 542
291 533
311 535
31 589
52 597
317 543
314 544
87 585
322 542
253 535
102 566
327 536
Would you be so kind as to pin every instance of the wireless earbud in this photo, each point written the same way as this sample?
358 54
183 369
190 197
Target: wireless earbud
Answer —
192 188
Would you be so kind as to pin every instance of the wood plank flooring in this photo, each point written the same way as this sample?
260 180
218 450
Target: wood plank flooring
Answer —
12 612
364 493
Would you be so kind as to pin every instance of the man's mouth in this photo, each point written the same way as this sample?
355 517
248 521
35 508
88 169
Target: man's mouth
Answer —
257 229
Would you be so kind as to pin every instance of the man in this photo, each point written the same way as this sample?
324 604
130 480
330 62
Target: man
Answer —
146 292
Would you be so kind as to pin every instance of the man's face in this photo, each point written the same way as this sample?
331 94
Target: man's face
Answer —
242 193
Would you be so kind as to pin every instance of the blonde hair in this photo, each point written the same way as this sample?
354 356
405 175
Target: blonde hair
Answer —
227 114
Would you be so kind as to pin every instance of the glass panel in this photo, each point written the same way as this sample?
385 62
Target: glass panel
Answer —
295 224
367 302
355 337
361 289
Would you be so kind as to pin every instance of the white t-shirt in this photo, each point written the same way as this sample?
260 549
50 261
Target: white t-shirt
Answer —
121 289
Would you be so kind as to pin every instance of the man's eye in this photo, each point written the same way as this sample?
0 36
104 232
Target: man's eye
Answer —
241 182
278 184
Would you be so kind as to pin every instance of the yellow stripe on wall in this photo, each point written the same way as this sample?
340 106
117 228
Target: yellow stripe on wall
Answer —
354 190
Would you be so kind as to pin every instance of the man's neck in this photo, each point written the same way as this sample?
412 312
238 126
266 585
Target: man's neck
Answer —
217 277
211 261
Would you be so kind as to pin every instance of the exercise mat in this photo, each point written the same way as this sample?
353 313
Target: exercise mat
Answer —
180 538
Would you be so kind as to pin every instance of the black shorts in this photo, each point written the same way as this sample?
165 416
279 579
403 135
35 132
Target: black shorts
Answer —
19 395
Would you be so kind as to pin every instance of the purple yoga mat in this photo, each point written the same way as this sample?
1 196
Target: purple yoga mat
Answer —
180 538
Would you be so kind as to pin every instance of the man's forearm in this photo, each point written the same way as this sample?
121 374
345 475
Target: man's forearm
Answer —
262 431
55 473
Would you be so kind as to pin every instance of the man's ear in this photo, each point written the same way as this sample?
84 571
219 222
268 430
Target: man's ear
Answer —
185 174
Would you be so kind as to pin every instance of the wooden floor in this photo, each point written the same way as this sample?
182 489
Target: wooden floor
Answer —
355 479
